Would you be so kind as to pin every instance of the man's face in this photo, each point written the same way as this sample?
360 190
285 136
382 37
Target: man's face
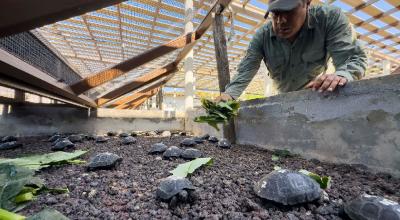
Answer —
287 24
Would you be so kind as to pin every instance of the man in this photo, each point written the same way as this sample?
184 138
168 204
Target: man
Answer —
296 47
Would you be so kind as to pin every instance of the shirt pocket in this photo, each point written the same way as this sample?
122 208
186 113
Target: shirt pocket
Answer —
275 66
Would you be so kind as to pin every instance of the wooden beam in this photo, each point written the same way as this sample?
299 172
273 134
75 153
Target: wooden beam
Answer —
22 15
18 70
122 68
112 73
137 83
138 100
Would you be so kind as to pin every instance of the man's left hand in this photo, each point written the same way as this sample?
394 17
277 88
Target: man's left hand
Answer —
326 82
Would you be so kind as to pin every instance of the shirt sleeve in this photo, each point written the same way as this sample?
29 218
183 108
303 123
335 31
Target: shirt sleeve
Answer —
248 67
349 59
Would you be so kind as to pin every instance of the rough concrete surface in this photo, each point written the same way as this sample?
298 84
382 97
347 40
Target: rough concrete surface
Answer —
43 120
359 123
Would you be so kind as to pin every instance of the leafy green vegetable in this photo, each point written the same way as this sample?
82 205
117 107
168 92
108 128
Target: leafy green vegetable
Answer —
48 214
324 181
188 168
218 113
6 215
37 162
274 157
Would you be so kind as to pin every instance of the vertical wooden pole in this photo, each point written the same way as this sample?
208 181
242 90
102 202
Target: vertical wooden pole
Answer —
221 54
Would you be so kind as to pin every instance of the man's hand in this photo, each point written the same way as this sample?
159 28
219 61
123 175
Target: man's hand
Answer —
327 82
224 97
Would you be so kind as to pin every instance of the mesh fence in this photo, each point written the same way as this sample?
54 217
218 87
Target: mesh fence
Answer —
30 49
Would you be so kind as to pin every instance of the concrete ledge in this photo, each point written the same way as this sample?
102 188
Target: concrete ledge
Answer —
356 124
200 128
117 113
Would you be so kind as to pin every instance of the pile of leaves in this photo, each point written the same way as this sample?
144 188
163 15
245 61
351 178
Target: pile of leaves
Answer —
218 113
323 181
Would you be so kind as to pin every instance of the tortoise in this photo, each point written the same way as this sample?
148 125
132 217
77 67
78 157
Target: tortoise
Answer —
101 139
63 144
188 142
128 140
10 145
367 207
224 143
288 188
158 148
104 161
205 137
213 139
54 138
90 137
75 138
172 152
111 133
175 189
191 153
8 139
198 140
123 135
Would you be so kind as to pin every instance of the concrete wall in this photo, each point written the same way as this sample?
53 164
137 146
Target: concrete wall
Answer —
357 124
199 129
32 120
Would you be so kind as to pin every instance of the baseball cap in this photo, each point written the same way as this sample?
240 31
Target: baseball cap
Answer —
282 5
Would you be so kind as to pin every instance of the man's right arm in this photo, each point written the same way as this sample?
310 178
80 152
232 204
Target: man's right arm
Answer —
248 67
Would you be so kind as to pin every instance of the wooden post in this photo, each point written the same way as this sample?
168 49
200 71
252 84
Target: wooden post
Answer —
222 64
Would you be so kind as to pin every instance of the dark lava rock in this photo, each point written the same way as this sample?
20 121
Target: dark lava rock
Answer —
213 139
111 133
172 186
188 142
75 138
101 139
8 139
287 188
62 145
172 152
182 133
191 153
90 137
10 145
223 143
367 207
198 140
134 134
158 148
123 135
128 140
104 161
58 140
54 138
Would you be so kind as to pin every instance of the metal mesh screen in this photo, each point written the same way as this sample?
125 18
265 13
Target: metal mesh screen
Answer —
30 49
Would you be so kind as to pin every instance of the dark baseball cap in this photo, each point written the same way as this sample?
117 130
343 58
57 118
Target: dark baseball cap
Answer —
283 5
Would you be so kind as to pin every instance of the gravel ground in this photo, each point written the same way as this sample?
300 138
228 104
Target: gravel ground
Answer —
224 190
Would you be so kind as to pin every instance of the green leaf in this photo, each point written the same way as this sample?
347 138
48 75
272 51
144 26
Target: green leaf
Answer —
37 162
218 113
277 168
24 197
188 168
324 182
47 214
6 215
274 158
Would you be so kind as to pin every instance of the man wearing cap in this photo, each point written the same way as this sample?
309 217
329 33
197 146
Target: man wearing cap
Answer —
296 47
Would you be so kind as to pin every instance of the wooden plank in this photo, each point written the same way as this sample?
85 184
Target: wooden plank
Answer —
221 55
22 15
138 101
137 83
17 69
126 66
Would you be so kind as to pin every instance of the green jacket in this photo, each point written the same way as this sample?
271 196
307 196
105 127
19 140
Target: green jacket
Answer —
326 33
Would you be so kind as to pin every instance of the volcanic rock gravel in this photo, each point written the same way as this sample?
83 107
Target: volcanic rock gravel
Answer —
224 190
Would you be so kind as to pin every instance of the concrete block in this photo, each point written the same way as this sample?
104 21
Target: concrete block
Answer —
357 124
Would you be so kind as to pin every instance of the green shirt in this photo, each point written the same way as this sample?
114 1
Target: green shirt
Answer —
326 33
